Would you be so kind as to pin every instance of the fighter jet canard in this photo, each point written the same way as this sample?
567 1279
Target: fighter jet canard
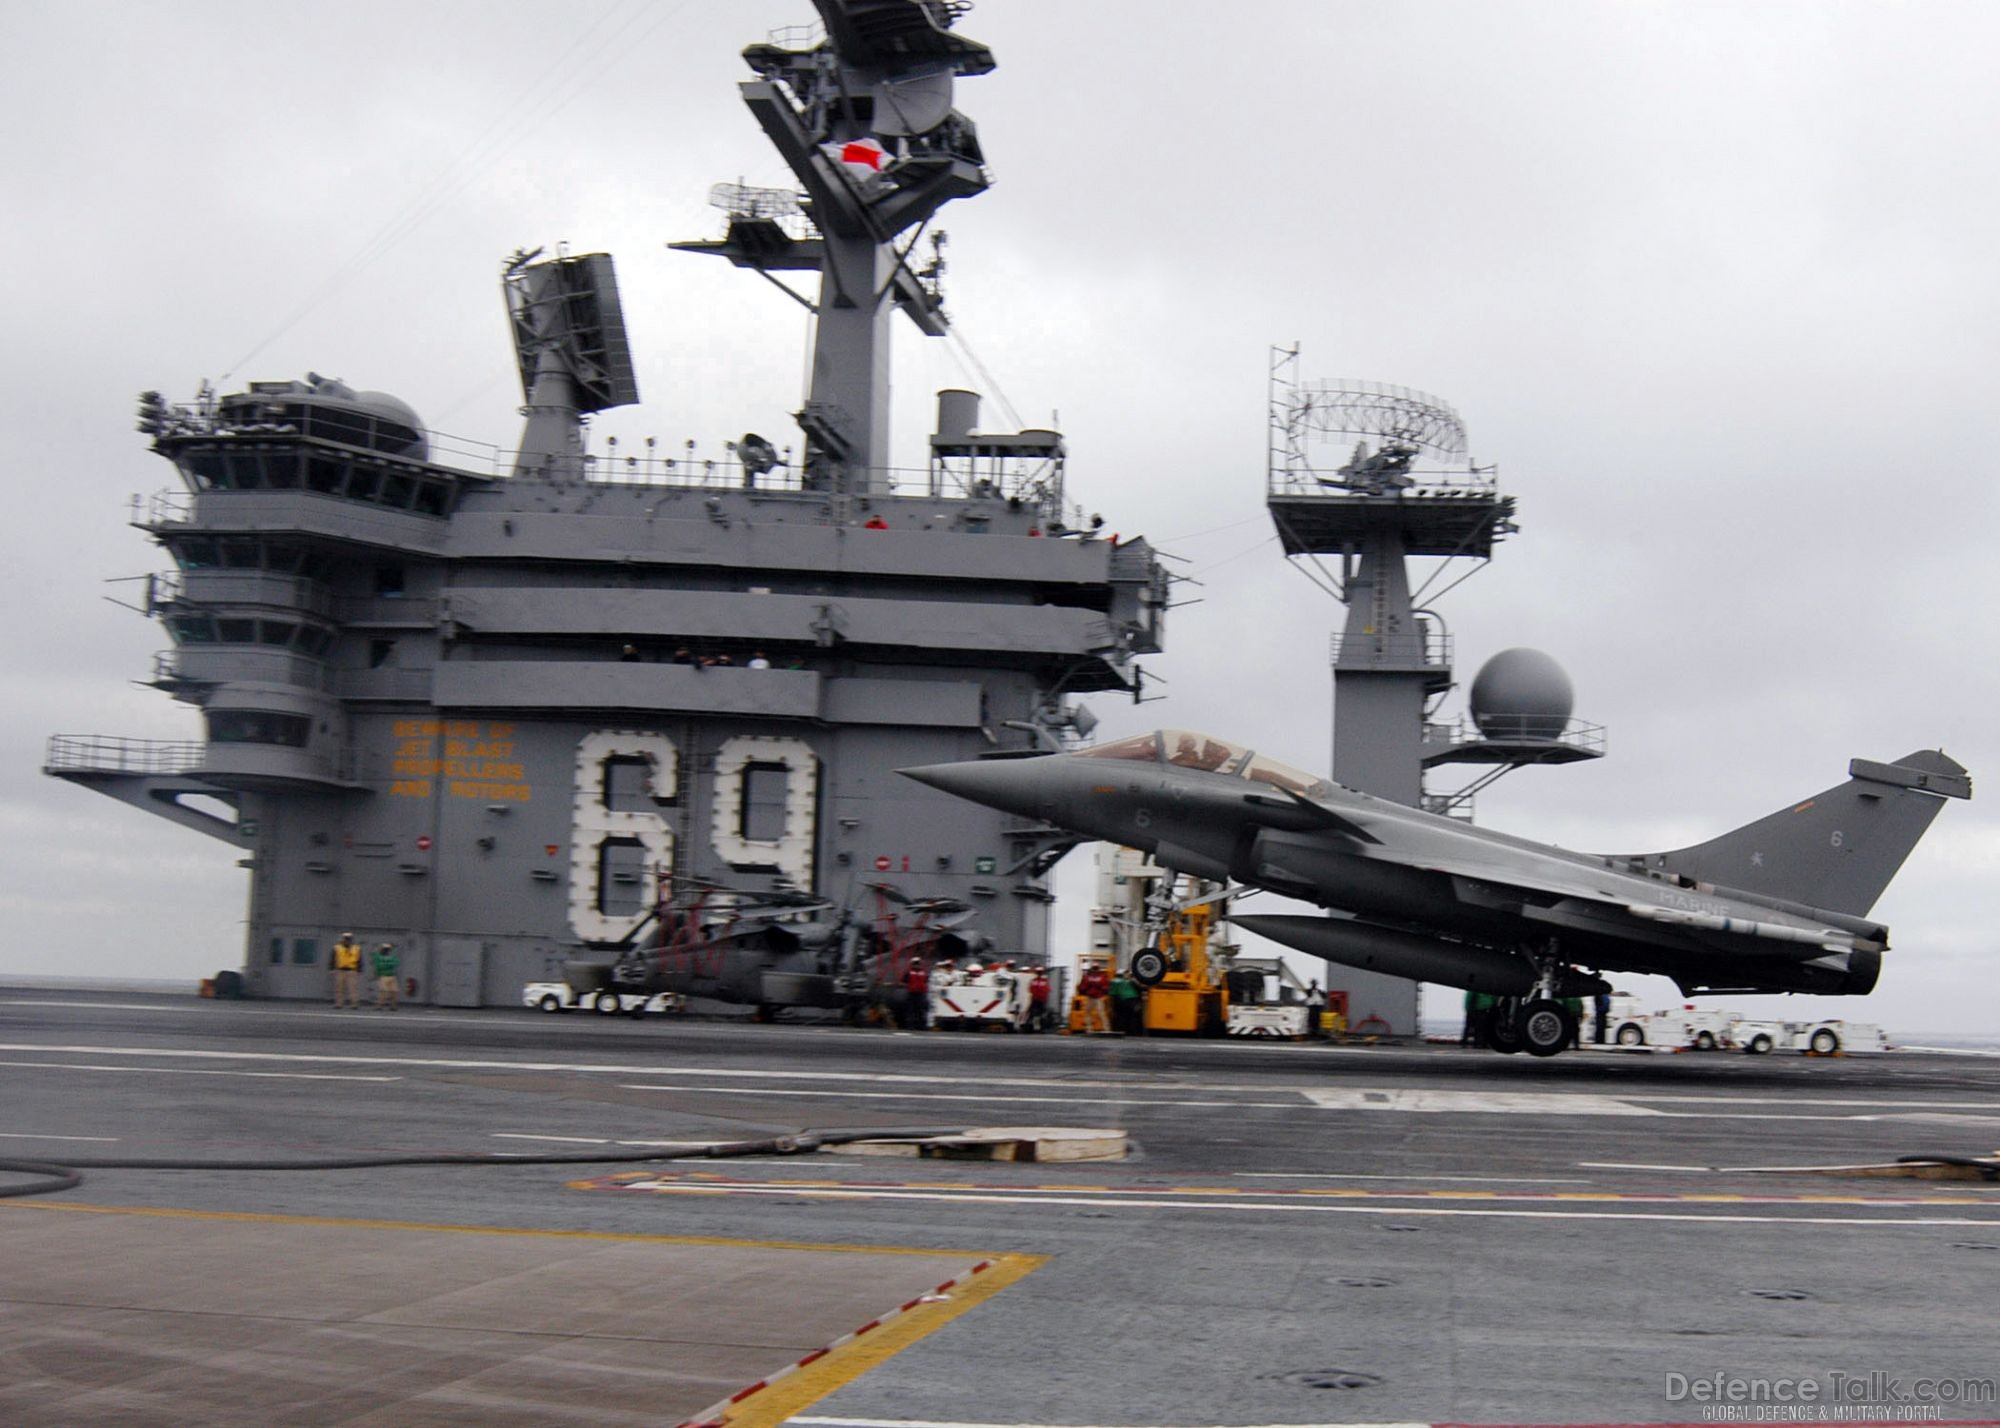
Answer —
1778 905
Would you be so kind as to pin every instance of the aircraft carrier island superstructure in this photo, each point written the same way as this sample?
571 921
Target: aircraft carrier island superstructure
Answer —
492 714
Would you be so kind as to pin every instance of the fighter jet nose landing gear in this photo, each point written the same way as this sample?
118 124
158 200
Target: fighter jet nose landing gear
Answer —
1149 967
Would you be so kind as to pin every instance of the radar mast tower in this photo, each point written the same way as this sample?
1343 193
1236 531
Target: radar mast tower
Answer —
1373 511
1407 488
864 120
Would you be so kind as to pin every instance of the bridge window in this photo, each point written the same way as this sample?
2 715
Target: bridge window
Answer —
324 474
246 470
256 726
203 467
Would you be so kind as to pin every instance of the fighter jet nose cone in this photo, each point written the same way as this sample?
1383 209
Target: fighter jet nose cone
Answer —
935 775
1014 785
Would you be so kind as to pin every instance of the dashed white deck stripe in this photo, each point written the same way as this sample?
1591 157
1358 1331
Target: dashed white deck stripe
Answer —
31 1135
1130 1092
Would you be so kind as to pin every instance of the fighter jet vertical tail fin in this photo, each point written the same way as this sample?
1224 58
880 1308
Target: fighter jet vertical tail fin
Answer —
1837 850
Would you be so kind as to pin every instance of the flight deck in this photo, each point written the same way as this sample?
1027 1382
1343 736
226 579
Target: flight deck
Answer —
1301 1232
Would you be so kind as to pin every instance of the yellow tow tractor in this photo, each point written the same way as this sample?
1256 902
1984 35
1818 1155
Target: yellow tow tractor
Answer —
1172 949
1184 987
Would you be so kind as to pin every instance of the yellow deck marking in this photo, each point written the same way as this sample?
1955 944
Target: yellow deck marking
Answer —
799 1391
246 1217
765 1409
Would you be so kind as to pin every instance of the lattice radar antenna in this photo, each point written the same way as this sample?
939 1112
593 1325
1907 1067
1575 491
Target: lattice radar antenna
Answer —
741 200
1403 423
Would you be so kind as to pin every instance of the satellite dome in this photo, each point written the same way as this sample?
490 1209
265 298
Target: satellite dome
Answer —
1522 694
394 408
390 424
399 413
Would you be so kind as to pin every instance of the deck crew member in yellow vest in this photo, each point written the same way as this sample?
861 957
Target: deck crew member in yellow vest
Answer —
347 972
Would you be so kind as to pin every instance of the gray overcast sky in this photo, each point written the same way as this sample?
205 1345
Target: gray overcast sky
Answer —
1713 283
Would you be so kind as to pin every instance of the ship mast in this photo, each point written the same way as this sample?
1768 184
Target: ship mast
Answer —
864 120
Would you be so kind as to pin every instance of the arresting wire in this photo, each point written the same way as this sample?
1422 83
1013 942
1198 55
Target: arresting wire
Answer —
52 1177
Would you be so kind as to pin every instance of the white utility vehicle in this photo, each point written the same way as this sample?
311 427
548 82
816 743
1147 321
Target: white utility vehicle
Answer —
558 997
978 997
1288 1019
1689 1027
1824 1038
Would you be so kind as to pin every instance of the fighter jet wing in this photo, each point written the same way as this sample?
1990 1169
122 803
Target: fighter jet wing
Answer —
1582 905
1508 876
1321 815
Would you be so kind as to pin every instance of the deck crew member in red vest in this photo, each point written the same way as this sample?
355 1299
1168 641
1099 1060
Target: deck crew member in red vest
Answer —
916 995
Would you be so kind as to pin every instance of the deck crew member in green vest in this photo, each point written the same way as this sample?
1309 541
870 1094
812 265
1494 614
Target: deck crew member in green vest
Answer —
386 965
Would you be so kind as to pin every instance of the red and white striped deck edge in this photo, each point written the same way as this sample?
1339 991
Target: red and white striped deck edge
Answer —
711 1417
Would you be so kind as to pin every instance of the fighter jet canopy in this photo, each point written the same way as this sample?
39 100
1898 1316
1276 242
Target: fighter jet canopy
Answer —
1189 750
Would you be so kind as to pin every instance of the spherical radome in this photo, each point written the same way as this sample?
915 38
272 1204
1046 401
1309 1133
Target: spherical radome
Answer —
395 409
1522 694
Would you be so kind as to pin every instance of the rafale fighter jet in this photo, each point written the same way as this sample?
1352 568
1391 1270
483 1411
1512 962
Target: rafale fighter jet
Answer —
1779 905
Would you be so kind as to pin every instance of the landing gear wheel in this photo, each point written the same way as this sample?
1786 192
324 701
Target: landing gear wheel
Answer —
1545 1027
550 1002
1148 967
1502 1031
1631 1035
1824 1042
607 1004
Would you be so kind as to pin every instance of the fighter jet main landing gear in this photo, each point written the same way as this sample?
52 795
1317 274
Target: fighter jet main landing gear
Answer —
1545 1027
1540 1023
